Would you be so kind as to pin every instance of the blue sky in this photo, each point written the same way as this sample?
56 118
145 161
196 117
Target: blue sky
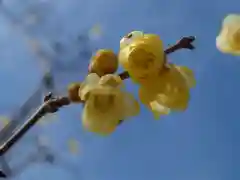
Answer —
199 144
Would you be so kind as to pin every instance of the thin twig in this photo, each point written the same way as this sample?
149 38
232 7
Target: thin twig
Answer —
51 105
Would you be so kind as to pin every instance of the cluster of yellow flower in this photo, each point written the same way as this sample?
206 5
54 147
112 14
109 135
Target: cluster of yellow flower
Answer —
163 87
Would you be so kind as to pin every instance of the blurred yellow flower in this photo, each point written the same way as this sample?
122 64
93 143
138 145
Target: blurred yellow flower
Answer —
95 32
106 102
4 121
73 146
228 40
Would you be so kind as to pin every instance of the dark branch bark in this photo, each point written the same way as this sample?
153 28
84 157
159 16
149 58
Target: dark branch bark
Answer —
51 105
124 75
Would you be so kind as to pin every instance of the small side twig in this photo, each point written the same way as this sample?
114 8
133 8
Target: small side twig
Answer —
52 104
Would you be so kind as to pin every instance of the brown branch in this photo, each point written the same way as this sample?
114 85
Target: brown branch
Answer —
184 43
124 75
50 105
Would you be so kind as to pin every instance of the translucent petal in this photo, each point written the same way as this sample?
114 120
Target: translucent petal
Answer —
159 109
107 103
228 40
188 75
131 105
92 79
111 80
129 38
90 82
169 91
231 19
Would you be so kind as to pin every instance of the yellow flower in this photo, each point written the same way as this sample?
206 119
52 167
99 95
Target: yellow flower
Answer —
228 40
142 55
161 89
106 102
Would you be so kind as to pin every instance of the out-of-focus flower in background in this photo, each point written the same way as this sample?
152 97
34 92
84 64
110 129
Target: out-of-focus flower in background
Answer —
4 120
228 40
95 32
73 146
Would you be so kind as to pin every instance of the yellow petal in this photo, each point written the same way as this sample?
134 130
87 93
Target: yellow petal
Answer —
158 109
228 41
188 75
111 80
231 19
224 46
130 37
132 107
